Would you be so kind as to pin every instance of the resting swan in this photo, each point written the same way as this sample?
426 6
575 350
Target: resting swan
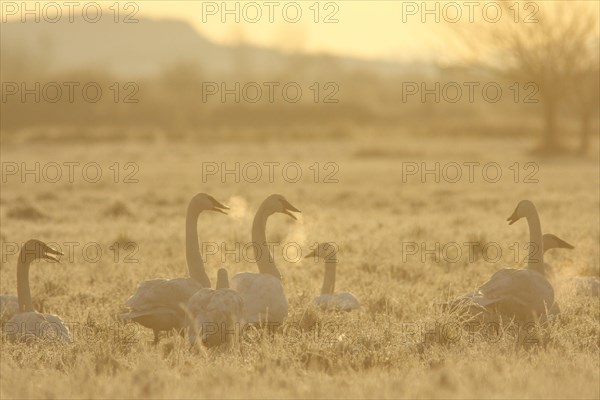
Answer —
553 242
215 315
157 304
583 285
28 324
328 300
549 241
586 285
521 293
264 298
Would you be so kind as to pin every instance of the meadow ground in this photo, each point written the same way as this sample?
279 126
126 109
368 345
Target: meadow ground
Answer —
399 345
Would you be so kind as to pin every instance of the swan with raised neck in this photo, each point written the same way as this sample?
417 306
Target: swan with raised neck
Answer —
31 251
28 323
263 294
157 304
329 299
525 294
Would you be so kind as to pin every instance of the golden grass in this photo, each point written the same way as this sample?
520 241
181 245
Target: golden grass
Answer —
394 347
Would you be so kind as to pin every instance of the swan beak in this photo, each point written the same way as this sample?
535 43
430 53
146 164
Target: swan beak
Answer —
220 207
287 207
564 245
513 218
311 254
51 254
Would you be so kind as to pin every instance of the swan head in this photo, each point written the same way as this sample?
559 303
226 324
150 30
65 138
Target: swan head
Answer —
205 202
222 279
276 203
554 242
326 251
524 208
35 249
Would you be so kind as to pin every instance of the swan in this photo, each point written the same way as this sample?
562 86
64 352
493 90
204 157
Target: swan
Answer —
156 304
215 314
520 293
28 324
328 300
551 241
584 285
263 294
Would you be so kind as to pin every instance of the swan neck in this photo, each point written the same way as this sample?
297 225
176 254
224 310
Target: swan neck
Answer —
262 253
535 259
23 292
222 282
192 250
329 280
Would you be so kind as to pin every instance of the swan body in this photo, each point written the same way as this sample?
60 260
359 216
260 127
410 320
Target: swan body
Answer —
524 294
9 306
263 297
329 300
27 324
30 326
263 293
516 292
215 315
159 304
503 278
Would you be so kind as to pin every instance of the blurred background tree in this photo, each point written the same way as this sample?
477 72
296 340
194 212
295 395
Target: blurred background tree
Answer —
554 45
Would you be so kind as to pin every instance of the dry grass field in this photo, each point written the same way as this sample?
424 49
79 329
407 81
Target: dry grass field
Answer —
399 345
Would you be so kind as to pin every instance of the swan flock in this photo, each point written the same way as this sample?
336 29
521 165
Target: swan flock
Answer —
211 317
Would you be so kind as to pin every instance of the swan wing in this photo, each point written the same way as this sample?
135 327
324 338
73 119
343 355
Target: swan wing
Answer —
162 293
499 282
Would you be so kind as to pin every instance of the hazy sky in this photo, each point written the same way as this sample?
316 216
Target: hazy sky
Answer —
372 29
362 28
